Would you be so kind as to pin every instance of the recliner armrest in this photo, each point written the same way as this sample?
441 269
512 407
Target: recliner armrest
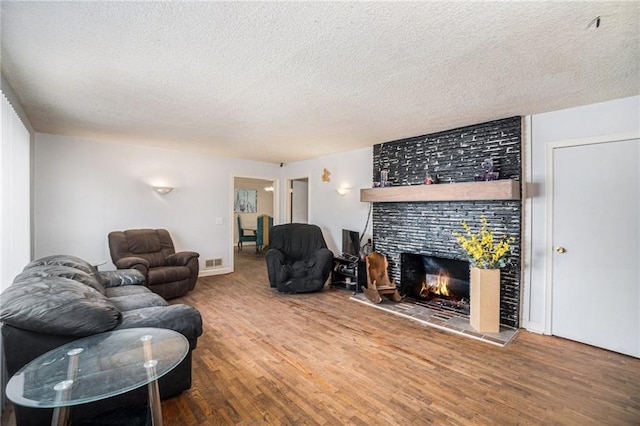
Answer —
132 263
276 270
181 258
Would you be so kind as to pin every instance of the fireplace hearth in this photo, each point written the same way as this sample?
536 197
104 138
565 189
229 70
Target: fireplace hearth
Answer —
436 281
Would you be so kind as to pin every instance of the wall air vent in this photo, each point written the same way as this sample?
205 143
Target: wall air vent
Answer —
213 263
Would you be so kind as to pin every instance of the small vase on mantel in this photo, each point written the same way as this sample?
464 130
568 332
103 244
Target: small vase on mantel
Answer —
485 300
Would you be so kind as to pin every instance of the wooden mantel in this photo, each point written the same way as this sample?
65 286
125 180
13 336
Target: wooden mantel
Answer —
503 189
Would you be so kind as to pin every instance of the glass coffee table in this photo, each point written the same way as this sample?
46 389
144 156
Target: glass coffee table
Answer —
98 367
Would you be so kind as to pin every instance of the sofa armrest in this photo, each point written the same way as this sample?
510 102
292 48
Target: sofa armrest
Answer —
123 277
181 318
181 258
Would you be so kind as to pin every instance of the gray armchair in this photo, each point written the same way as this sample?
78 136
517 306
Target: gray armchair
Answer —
151 252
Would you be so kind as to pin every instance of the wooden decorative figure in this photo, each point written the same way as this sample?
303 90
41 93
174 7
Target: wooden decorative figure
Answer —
378 284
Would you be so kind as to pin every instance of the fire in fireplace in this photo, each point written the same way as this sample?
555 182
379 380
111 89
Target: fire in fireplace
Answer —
435 280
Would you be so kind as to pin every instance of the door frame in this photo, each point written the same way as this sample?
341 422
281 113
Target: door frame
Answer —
550 150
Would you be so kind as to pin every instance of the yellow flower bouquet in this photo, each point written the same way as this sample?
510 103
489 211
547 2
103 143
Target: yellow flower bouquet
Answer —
483 251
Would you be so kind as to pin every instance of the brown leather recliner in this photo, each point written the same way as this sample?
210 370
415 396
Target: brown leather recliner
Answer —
151 252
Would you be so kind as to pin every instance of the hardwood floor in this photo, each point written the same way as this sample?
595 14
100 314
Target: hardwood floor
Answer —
321 359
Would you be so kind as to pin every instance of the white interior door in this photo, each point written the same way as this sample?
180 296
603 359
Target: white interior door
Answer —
596 239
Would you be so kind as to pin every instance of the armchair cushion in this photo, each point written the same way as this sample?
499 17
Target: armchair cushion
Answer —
141 242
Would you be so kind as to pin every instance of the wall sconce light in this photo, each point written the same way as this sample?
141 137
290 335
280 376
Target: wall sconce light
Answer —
268 188
162 190
343 190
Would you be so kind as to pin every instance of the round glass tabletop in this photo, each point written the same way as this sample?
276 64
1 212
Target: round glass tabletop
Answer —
97 367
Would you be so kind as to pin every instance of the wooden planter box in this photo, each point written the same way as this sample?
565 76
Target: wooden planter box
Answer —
485 300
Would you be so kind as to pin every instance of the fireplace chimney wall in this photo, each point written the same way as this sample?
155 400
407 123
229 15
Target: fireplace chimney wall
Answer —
426 227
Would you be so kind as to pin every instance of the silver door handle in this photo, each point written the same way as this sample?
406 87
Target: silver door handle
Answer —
560 249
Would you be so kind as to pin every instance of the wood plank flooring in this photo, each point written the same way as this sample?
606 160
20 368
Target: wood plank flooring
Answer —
321 359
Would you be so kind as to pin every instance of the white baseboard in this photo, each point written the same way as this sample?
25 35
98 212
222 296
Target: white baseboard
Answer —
217 271
533 327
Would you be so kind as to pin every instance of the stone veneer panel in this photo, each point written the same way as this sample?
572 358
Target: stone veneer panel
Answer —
426 227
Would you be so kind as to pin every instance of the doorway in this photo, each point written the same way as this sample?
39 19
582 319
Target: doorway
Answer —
594 247
263 199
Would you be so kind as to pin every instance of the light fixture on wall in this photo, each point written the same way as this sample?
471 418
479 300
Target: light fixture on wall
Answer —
343 190
162 190
268 188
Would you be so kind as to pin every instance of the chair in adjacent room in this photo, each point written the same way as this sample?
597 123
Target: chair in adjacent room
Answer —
151 251
298 260
265 223
245 235
378 283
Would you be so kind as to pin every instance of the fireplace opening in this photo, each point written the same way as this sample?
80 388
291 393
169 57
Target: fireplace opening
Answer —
436 281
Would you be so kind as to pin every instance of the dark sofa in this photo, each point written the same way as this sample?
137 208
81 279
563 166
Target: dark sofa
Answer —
58 299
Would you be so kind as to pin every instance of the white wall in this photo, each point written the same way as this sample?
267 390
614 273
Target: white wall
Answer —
86 188
327 209
616 117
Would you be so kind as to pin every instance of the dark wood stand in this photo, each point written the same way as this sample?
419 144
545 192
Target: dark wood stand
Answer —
349 274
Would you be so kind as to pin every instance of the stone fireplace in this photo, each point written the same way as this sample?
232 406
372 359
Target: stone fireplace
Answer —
425 228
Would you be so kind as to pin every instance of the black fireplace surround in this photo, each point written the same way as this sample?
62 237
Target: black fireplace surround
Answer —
426 227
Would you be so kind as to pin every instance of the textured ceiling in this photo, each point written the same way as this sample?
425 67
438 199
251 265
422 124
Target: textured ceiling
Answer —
286 81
